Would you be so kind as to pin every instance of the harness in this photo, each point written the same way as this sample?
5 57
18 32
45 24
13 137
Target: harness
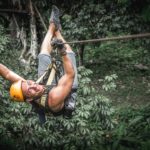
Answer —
41 104
51 71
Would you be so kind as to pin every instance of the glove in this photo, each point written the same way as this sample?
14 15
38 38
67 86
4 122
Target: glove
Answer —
58 43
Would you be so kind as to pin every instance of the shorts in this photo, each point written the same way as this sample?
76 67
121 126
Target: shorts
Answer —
45 60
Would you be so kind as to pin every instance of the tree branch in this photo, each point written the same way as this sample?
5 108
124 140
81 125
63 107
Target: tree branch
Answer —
13 11
41 19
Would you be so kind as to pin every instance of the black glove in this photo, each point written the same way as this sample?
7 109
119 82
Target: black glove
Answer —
58 43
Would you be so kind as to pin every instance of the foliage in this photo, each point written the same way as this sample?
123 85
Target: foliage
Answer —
92 126
119 56
106 20
90 121
146 13
132 131
4 40
109 83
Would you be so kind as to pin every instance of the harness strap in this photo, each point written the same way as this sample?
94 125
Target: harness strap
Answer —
44 74
52 75
43 100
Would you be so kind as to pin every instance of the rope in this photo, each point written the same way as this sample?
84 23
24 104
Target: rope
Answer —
144 35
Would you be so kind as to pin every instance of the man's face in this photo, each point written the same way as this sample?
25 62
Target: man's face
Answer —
31 89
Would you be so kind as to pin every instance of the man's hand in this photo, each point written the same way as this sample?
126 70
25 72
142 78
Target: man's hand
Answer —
58 43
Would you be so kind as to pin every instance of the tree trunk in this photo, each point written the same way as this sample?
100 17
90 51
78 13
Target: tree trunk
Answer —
23 37
33 45
41 19
28 57
81 54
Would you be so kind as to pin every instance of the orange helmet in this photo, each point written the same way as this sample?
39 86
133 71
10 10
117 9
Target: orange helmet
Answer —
16 91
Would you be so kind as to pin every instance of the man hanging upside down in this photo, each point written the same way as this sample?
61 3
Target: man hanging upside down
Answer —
60 97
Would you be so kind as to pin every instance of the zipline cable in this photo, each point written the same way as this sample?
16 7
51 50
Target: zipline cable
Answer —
144 35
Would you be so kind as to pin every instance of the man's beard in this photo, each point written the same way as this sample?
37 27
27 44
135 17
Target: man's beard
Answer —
35 98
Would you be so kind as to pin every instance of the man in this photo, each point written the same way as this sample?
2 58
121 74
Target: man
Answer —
27 90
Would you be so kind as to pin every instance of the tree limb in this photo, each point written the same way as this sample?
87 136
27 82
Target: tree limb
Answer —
13 11
41 19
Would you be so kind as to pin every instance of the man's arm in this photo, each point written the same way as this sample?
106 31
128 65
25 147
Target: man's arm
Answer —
8 74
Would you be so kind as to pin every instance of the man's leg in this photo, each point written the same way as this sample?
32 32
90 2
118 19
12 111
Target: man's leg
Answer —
54 25
44 57
46 48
